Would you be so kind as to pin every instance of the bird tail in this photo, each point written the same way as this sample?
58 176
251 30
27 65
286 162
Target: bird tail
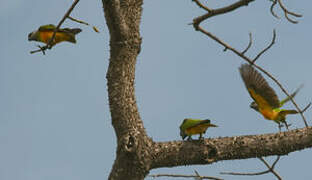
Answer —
72 31
285 112
208 122
292 96
75 30
71 34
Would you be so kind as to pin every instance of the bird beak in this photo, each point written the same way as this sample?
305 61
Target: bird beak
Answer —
30 36
213 125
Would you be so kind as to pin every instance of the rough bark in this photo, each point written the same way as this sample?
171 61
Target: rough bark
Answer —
136 153
123 20
178 153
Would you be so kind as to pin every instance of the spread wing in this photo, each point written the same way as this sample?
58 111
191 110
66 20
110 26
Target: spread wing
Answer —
258 88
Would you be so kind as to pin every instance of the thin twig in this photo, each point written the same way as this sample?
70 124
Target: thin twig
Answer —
214 12
202 6
274 2
275 162
199 28
249 44
77 20
306 108
185 176
198 175
271 169
285 10
82 22
245 174
267 48
49 44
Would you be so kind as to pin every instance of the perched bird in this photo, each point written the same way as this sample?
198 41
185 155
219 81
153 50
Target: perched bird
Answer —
191 127
44 34
265 99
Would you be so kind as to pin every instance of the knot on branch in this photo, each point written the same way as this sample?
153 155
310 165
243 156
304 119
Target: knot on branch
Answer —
212 153
130 143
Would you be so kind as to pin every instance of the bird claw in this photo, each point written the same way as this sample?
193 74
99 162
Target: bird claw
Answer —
42 48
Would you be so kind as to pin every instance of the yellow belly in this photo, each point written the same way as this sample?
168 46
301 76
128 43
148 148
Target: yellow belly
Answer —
196 129
269 114
59 37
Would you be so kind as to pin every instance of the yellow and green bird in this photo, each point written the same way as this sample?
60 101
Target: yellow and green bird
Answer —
265 99
191 127
255 106
45 32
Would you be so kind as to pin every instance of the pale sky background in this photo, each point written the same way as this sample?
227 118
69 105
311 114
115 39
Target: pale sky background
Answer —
54 115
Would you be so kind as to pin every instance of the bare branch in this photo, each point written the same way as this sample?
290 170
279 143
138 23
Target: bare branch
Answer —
274 2
202 6
214 12
306 108
249 44
275 162
267 48
199 28
246 174
271 169
82 22
207 151
285 10
78 21
49 44
185 176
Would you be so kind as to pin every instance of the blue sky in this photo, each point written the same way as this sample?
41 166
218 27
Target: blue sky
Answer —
54 115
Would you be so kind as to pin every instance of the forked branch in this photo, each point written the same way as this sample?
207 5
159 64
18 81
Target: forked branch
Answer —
287 13
270 169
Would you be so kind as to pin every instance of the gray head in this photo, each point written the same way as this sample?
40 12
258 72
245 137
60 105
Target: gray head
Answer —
254 106
32 36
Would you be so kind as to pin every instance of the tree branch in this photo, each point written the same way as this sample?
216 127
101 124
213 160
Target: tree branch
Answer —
178 153
214 12
271 169
185 176
267 48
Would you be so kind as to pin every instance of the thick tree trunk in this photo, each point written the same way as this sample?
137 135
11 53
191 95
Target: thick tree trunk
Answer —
123 20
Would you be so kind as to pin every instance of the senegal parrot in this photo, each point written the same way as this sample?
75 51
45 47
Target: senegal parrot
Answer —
265 99
44 34
191 127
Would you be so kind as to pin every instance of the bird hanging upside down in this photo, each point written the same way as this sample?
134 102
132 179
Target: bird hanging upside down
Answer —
45 32
265 99
191 127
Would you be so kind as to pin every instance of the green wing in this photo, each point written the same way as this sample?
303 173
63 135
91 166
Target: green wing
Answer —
47 27
187 123
292 95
